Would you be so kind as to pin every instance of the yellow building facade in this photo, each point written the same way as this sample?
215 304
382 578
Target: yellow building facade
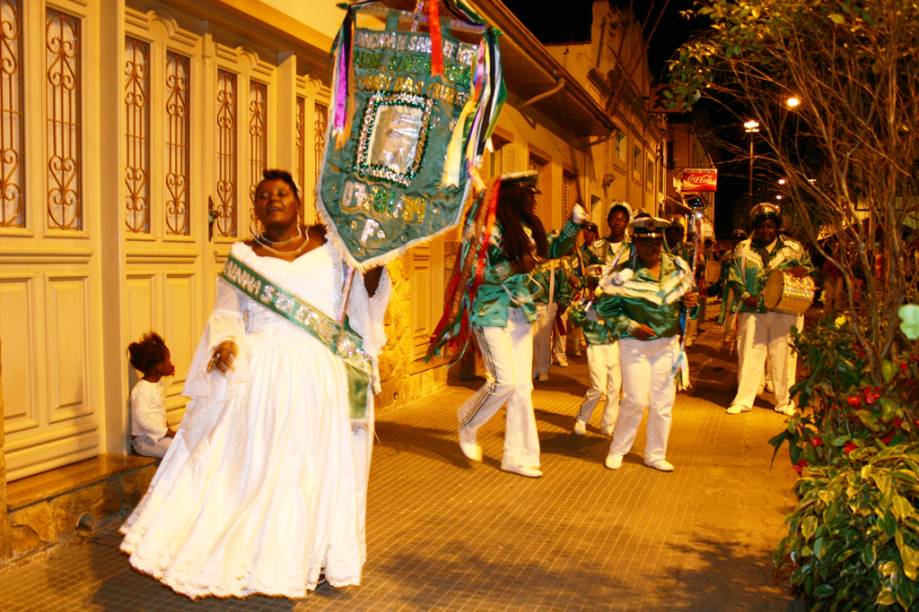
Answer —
132 134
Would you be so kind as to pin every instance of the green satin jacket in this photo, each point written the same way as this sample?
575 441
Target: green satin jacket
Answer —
753 264
595 331
502 289
634 297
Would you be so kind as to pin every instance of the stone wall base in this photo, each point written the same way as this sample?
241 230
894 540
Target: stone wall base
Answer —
57 506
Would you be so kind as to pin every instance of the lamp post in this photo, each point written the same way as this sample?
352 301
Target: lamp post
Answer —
751 126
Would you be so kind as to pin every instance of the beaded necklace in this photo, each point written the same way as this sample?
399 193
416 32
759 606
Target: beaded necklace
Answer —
283 253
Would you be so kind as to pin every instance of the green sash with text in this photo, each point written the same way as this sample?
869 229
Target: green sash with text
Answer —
343 342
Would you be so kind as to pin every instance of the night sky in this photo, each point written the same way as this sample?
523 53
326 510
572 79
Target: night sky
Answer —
573 25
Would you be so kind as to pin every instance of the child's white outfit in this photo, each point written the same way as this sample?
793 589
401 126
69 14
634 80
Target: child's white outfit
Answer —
148 419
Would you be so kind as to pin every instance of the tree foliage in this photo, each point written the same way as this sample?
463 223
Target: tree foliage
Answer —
848 152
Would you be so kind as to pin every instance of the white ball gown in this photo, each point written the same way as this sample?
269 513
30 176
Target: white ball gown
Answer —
265 484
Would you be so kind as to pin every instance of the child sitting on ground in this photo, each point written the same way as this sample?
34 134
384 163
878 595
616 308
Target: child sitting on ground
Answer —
151 435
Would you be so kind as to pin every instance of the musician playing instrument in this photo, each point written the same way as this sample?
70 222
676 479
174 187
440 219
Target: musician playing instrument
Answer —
603 364
762 331
551 303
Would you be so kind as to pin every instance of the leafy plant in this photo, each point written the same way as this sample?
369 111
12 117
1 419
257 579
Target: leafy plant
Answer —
853 537
840 408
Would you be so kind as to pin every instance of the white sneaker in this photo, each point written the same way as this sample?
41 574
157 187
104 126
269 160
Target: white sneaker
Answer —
613 461
542 377
522 470
736 409
580 428
607 430
468 444
786 410
562 362
661 464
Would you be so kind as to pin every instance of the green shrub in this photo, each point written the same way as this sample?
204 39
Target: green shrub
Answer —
840 407
853 537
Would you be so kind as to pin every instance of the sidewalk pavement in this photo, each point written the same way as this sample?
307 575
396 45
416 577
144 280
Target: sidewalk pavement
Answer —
447 534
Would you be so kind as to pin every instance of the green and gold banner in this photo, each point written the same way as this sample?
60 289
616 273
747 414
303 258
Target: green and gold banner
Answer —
410 115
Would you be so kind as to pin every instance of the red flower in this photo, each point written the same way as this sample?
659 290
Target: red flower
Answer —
854 401
849 447
886 439
872 394
904 366
898 422
817 441
799 466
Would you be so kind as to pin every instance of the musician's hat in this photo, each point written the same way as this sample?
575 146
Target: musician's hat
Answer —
766 210
619 205
646 226
525 180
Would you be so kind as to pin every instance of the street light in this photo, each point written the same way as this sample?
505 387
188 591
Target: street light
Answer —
751 126
792 102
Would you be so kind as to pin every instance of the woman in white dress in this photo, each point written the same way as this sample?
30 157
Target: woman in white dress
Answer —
264 488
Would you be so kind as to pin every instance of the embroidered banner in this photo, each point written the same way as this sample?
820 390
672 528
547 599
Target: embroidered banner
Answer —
411 114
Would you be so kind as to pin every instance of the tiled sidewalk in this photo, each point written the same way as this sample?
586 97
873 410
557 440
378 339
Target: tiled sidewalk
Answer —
444 534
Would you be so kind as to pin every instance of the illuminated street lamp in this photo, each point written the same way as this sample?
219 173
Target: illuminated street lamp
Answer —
792 102
751 126
782 181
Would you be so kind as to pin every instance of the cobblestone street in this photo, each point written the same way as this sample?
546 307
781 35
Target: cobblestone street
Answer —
445 534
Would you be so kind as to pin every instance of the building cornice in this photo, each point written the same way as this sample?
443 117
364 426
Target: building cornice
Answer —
531 70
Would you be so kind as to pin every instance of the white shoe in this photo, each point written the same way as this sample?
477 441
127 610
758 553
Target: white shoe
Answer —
468 444
542 377
580 428
613 461
607 430
786 410
562 363
522 470
768 387
736 409
661 464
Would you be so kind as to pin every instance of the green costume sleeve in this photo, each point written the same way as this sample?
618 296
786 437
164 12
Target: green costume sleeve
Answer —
609 309
564 242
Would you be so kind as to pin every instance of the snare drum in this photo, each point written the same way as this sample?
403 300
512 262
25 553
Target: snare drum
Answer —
787 293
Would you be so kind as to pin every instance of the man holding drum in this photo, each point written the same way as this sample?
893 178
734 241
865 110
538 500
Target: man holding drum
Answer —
766 328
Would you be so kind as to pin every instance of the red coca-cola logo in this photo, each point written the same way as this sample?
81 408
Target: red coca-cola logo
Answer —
701 178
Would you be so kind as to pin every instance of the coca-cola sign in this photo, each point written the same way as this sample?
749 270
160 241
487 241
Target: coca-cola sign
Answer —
700 179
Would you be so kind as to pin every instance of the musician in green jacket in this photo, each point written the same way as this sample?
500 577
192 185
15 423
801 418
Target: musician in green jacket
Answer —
502 313
760 330
640 304
553 299
603 365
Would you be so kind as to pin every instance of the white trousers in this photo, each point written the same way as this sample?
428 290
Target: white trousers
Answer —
560 342
759 334
647 380
542 338
144 445
507 353
605 379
